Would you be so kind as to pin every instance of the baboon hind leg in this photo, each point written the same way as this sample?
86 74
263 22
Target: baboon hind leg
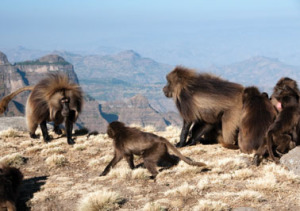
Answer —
32 126
44 129
10 206
230 122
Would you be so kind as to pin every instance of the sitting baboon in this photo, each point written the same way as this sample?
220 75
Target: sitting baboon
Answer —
257 115
205 97
284 133
10 181
53 99
130 141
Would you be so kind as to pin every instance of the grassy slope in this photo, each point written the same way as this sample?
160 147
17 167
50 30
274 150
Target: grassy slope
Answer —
62 177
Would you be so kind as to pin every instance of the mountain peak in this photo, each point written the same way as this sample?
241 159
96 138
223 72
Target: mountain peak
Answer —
3 59
263 59
52 58
129 54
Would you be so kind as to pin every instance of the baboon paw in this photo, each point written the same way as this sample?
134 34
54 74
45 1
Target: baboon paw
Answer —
71 141
178 145
34 136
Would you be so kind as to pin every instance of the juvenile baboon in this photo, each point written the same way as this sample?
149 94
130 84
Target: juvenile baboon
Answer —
131 141
53 99
205 133
205 97
10 181
258 114
284 133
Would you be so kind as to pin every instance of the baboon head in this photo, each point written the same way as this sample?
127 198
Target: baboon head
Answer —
114 128
178 79
287 96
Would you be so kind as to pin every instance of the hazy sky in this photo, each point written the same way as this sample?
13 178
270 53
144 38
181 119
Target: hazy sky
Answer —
196 32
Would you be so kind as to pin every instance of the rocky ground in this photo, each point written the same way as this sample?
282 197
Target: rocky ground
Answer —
62 177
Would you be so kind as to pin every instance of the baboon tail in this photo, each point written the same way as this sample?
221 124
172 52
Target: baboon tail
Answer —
5 100
182 157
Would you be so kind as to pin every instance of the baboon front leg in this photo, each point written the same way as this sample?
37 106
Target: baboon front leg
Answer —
69 128
184 133
199 131
44 129
129 159
117 157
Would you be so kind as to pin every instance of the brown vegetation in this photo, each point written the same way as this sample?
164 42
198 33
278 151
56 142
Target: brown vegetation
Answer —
232 182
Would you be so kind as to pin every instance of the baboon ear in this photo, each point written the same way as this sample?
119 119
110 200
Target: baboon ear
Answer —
264 94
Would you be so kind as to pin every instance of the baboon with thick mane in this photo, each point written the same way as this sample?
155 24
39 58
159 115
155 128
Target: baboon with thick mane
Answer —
53 99
207 98
284 133
130 141
10 181
257 115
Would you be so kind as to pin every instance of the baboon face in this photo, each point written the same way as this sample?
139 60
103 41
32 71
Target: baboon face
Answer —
288 97
169 88
65 102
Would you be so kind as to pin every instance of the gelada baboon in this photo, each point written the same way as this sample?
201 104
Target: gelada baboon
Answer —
207 98
258 114
283 82
130 141
10 181
284 133
54 99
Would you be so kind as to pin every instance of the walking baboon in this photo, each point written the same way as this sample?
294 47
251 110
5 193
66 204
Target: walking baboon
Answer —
10 181
205 97
131 141
258 114
53 99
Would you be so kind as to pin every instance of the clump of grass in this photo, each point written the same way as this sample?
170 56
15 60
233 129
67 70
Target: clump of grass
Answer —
183 190
15 160
80 147
205 204
154 206
54 150
9 133
150 129
56 160
140 173
100 200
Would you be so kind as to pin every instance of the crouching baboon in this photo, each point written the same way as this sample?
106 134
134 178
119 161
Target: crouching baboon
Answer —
10 181
258 114
54 99
284 133
131 141
206 98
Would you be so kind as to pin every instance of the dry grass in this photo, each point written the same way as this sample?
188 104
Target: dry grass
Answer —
72 179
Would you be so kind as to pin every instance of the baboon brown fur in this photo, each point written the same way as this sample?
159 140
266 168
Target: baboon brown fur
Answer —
207 98
258 114
53 99
205 133
130 141
284 133
10 181
283 82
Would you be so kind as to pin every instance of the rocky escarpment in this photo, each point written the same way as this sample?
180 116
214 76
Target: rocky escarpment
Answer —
139 111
